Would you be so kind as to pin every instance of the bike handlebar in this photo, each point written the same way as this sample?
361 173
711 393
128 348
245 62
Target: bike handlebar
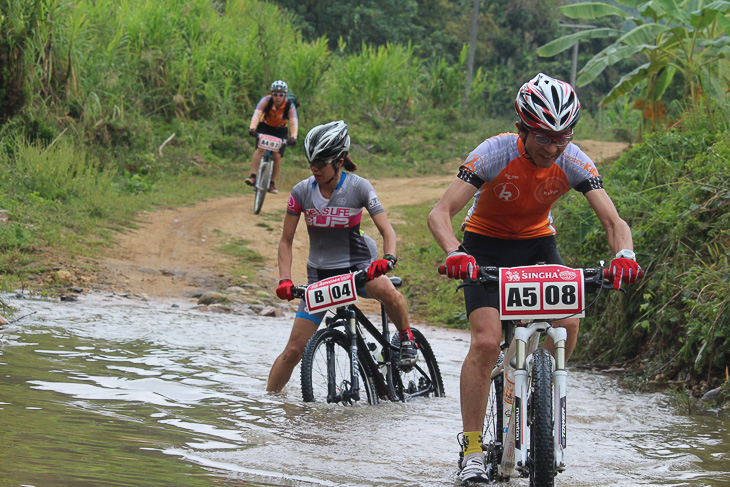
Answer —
361 277
593 278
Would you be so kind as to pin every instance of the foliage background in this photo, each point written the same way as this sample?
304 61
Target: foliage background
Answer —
90 90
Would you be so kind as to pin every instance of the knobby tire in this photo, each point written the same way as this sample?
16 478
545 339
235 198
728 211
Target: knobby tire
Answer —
262 183
314 377
424 378
541 456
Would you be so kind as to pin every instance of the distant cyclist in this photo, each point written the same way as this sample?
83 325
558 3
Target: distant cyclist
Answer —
514 180
277 116
332 203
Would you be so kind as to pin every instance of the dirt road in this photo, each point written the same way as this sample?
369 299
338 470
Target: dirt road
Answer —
175 252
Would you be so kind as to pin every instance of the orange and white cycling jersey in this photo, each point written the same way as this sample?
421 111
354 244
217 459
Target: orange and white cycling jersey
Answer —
515 197
276 117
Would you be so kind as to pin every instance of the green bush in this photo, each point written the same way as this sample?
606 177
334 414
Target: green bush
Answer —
674 191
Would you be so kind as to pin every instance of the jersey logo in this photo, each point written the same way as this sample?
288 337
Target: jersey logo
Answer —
507 192
293 205
469 165
333 217
550 190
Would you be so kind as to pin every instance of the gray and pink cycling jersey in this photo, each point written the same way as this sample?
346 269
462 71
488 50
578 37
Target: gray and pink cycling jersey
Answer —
335 239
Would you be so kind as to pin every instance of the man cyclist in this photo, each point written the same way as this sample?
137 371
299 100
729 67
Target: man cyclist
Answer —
272 116
332 202
515 179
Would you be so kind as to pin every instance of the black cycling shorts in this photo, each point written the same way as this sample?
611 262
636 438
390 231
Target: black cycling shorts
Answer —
281 132
489 251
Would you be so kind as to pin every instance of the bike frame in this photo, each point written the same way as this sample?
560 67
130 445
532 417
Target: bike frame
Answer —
262 183
354 320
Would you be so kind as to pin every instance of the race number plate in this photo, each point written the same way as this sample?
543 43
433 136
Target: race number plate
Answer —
541 292
269 142
331 293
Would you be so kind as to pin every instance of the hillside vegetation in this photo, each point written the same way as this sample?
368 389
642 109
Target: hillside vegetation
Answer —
111 107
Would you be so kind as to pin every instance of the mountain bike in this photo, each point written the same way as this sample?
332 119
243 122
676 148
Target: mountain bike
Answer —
271 144
529 387
351 354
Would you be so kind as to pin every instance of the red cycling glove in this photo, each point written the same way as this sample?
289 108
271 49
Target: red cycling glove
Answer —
461 265
284 289
380 266
624 268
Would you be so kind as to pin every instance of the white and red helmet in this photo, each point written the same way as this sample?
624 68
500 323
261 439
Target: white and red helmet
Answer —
547 104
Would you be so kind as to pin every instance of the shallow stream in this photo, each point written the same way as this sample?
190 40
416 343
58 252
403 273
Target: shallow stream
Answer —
110 391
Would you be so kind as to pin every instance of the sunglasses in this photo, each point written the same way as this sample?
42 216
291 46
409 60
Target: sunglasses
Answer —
544 140
278 94
320 164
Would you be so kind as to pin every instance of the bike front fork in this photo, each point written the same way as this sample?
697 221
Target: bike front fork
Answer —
560 382
354 359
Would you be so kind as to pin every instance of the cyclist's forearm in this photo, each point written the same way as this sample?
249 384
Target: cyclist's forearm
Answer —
387 232
255 119
619 236
294 127
285 261
440 225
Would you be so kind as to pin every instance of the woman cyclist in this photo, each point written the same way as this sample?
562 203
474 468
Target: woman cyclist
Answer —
332 202
274 115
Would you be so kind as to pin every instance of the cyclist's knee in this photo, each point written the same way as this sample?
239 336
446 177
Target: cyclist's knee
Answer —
383 290
485 348
293 352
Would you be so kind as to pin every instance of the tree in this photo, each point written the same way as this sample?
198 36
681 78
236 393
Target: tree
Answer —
689 37
16 27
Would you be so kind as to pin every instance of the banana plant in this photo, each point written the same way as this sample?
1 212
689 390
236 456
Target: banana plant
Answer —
689 37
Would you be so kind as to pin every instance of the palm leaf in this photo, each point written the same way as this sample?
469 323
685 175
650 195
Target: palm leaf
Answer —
591 10
609 56
626 84
643 34
708 14
566 42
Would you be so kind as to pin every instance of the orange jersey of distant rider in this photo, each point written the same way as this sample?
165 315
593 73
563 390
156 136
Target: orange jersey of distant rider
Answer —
276 117
515 197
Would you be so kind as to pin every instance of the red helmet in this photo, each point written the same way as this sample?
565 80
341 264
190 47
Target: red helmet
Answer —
547 104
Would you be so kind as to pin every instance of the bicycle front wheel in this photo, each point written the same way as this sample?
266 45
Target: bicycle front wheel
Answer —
326 370
424 378
540 411
262 183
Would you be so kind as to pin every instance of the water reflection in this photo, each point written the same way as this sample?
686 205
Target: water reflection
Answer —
110 391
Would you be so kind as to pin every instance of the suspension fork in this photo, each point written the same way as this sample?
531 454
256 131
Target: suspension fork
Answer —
560 381
354 359
560 392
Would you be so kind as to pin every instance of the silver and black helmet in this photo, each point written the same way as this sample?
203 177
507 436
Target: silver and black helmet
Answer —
279 85
327 142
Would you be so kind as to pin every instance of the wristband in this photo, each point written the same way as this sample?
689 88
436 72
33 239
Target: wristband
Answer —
626 254
284 280
460 248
